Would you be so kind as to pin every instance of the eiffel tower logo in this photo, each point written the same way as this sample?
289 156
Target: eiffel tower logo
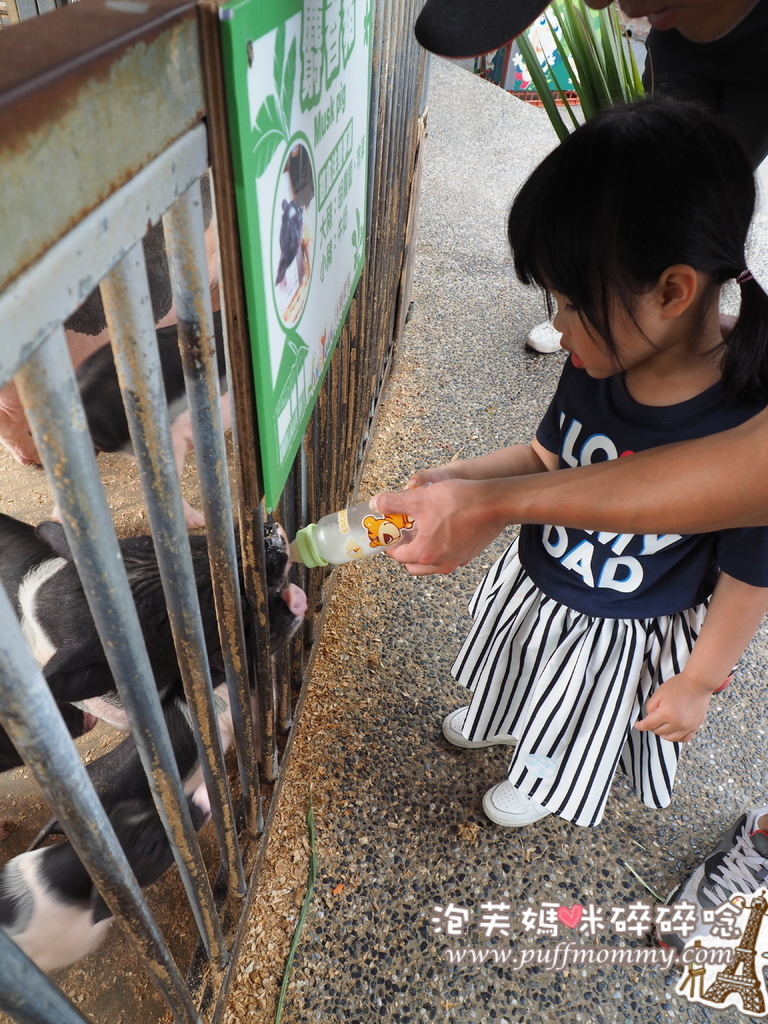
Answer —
739 976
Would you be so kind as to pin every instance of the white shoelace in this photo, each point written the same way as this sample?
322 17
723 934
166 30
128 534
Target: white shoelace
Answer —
741 868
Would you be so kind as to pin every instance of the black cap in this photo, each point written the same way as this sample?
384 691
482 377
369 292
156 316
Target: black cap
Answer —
467 28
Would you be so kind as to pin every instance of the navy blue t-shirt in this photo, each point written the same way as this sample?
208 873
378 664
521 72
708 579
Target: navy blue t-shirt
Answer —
627 575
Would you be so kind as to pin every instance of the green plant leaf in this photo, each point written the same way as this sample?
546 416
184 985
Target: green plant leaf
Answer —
602 65
270 134
277 69
288 86
541 85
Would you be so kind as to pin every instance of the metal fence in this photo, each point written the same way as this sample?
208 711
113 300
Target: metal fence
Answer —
110 113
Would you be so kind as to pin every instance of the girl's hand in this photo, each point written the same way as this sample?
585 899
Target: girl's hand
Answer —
450 471
676 710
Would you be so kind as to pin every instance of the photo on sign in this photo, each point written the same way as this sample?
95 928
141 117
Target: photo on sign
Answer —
293 234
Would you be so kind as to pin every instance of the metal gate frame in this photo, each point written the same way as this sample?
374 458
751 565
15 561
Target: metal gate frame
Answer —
153 68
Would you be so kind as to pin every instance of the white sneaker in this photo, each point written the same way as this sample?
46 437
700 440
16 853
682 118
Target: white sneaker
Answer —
505 806
544 338
454 723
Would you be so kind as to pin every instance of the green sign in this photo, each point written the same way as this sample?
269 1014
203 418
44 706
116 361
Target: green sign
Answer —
298 82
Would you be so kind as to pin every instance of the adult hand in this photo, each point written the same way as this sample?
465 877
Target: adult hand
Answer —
453 524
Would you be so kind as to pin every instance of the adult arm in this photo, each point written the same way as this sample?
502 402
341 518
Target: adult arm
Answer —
711 483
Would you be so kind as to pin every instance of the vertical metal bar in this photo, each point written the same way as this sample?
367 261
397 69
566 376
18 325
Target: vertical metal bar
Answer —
26 994
247 450
33 722
125 293
296 652
256 589
184 233
304 575
51 401
281 659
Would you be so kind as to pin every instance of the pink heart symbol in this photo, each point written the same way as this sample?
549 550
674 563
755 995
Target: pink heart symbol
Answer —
570 916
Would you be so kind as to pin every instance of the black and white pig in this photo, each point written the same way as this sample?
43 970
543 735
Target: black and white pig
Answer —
103 404
50 907
63 637
118 775
26 557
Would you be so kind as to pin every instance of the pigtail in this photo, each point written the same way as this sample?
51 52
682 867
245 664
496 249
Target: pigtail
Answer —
745 364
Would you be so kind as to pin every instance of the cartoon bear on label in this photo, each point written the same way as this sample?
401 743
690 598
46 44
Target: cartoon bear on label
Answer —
383 531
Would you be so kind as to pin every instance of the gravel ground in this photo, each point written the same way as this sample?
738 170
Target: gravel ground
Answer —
400 828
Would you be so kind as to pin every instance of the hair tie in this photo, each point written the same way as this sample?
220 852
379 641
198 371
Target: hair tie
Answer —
745 275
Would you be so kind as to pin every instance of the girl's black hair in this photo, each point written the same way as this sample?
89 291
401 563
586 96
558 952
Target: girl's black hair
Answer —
633 191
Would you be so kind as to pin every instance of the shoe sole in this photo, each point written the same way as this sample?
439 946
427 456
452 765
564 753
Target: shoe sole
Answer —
497 816
542 350
457 740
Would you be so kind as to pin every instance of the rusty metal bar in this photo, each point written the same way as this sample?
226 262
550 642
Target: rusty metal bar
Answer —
92 94
281 660
250 506
45 294
27 995
125 293
187 260
48 390
51 400
263 668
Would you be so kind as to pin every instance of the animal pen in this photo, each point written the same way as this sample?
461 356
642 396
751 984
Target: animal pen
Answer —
111 111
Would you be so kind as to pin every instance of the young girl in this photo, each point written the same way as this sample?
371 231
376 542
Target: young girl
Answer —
593 649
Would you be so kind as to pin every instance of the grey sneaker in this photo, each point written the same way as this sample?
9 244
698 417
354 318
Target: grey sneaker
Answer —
739 863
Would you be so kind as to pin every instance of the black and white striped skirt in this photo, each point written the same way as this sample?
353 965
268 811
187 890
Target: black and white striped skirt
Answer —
569 687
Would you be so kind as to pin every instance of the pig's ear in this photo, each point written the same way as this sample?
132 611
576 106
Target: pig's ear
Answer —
77 672
100 909
53 535
52 828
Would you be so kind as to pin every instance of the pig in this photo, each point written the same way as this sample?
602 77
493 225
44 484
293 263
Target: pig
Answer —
86 328
119 775
102 402
58 625
57 621
23 554
50 907
78 723
291 231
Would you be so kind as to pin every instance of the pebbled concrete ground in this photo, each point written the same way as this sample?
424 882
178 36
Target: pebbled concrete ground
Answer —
400 828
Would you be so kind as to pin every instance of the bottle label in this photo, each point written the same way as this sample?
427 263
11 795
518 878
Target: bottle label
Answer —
353 550
344 521
385 530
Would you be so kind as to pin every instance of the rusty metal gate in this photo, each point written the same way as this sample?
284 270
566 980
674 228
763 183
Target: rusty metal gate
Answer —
111 112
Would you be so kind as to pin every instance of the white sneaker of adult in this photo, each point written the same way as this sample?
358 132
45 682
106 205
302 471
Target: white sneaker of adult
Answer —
454 723
544 338
505 806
